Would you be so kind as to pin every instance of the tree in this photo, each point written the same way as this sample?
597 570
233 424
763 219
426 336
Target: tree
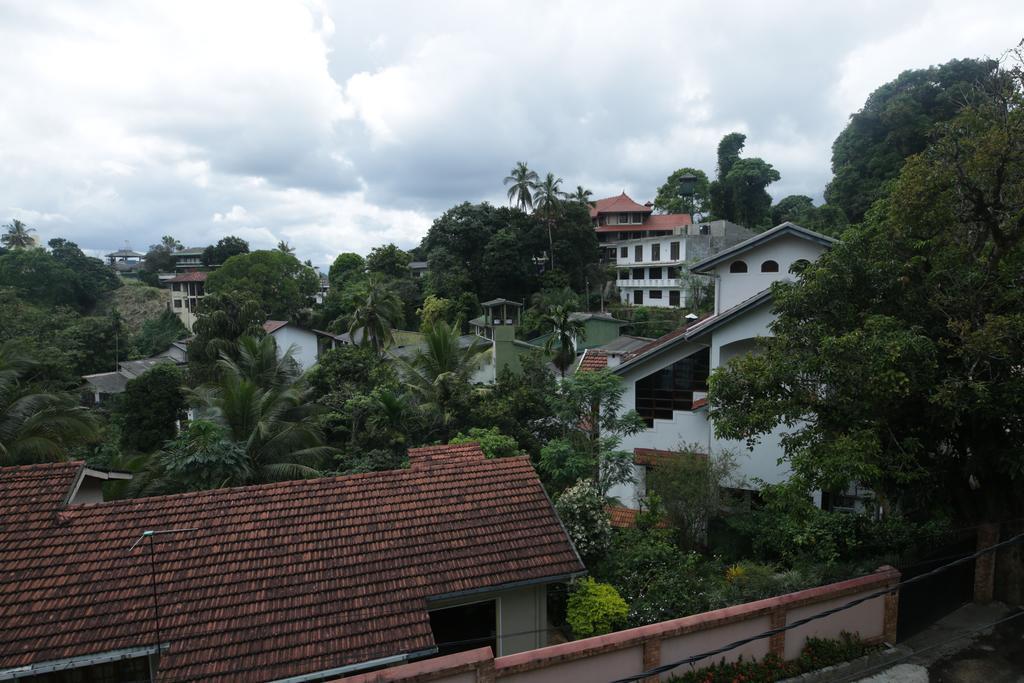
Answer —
505 272
896 358
492 442
160 257
36 425
377 315
389 261
588 407
583 512
521 182
346 268
435 309
226 247
670 198
800 209
41 279
221 320
547 199
565 331
159 333
739 193
154 402
17 236
281 284
285 248
689 488
595 609
582 196
896 122
95 277
265 408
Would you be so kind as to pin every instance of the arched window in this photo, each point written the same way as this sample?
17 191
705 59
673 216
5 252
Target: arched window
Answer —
738 267
770 267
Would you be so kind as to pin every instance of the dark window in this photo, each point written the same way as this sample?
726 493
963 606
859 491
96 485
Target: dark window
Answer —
177 303
738 267
638 297
655 252
176 286
673 272
636 218
624 252
623 274
673 297
623 218
671 388
655 273
638 273
769 267
673 249
638 253
637 235
466 627
655 293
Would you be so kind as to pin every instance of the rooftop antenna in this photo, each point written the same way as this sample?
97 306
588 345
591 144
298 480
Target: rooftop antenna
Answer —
151 535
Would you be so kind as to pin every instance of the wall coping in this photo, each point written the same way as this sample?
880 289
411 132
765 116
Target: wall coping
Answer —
427 669
588 647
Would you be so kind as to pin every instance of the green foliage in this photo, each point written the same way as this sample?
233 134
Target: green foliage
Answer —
160 257
95 277
896 122
492 442
17 236
800 209
278 281
153 404
226 247
346 268
670 198
436 309
595 609
582 510
564 331
689 487
41 279
352 367
521 182
378 313
389 261
739 194
158 333
518 404
221 320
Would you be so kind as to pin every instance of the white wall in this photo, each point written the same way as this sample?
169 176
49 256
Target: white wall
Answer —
733 288
304 341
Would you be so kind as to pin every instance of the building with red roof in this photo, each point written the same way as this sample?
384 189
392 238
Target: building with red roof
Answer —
314 578
187 289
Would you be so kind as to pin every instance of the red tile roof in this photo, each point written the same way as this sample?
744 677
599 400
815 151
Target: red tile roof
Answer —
619 204
193 276
272 326
667 221
625 518
652 457
276 580
426 455
663 339
593 360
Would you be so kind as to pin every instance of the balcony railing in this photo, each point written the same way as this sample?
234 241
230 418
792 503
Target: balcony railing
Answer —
659 282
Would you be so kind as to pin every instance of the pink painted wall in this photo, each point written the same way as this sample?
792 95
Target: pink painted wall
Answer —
605 666
866 619
690 644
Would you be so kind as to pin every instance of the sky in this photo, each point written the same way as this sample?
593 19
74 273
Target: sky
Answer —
340 126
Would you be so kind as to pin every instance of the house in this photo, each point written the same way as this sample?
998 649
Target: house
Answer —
315 578
497 326
666 379
101 385
307 345
125 260
620 218
419 268
651 270
188 259
187 290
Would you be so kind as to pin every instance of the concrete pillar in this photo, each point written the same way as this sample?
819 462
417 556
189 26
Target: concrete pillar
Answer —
985 565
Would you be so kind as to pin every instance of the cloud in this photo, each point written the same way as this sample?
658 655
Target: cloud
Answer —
340 126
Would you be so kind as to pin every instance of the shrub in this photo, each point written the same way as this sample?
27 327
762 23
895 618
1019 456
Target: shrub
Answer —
595 609
492 442
582 510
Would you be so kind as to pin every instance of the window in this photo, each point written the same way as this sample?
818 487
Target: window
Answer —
177 303
623 274
655 252
638 273
638 253
465 627
655 293
623 219
770 267
175 286
624 252
673 272
636 218
655 273
673 249
638 297
671 388
673 297
738 267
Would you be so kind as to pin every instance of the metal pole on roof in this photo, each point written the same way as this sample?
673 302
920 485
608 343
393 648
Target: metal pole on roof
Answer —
151 535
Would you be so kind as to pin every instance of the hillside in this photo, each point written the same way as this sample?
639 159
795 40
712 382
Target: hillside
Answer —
136 303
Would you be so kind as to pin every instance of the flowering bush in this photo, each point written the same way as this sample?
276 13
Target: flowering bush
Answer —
582 510
595 609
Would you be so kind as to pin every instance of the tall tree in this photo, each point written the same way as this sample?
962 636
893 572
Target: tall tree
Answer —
896 122
36 425
346 268
582 196
222 319
154 402
226 247
671 199
285 248
800 209
739 194
389 261
521 182
281 284
18 235
548 200
377 315
564 333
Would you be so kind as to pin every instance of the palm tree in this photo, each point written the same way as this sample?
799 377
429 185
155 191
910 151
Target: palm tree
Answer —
439 372
565 330
17 236
266 409
548 201
36 426
170 243
582 196
521 181
285 248
376 315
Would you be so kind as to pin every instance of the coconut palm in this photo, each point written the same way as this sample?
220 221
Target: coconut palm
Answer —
565 330
547 199
285 248
375 317
17 236
582 196
266 409
439 372
36 426
521 181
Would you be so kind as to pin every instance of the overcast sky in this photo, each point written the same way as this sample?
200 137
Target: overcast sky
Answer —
339 126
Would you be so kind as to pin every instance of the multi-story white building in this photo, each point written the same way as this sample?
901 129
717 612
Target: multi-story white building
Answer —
186 291
652 270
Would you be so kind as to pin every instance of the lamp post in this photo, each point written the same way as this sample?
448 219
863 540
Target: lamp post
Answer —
687 188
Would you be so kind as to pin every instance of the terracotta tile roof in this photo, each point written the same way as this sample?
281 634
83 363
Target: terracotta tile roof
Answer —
655 456
426 455
593 360
625 518
667 221
272 326
276 580
192 276
618 204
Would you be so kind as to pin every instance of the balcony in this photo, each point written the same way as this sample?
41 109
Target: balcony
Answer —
647 263
650 284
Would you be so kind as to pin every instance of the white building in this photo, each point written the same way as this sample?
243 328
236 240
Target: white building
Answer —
666 380
187 290
652 270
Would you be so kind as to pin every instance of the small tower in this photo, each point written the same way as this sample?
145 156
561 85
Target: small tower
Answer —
498 324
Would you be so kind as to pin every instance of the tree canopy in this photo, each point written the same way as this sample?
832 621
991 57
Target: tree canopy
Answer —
739 193
226 247
279 282
670 198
